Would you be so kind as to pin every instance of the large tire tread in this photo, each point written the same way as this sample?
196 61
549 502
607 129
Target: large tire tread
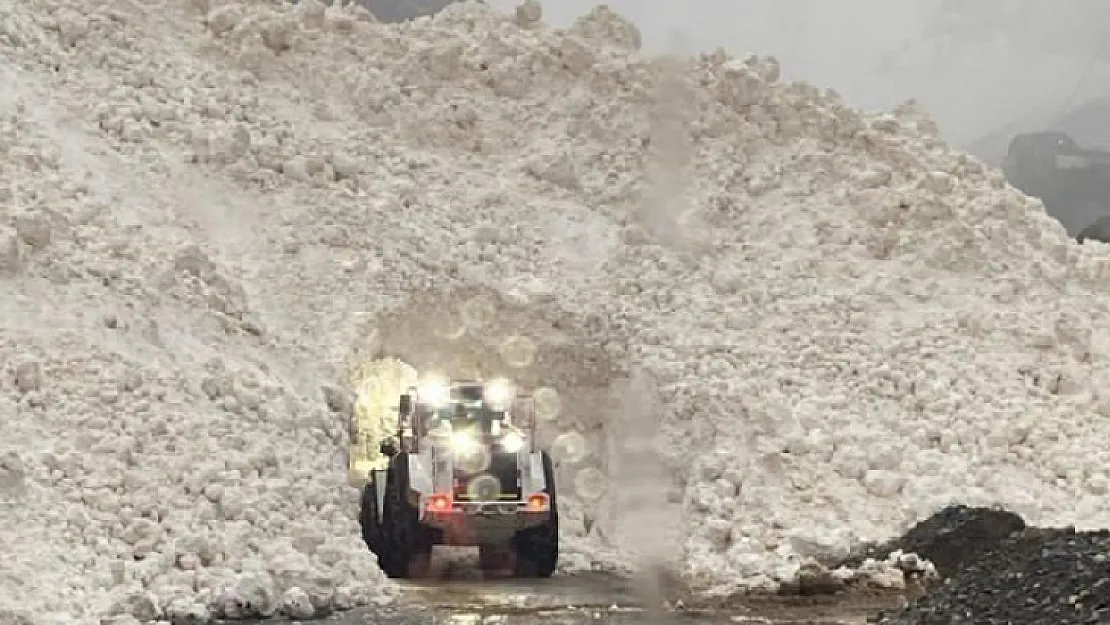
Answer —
406 550
537 548
369 518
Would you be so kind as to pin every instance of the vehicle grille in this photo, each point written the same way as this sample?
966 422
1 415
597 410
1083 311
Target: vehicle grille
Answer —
503 467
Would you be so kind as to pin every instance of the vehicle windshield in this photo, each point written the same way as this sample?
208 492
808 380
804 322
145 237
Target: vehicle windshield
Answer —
464 414
467 393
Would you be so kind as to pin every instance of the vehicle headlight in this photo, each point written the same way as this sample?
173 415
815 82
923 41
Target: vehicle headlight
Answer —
498 392
512 442
435 393
464 443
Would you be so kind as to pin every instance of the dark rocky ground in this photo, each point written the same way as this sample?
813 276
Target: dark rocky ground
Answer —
1034 577
997 570
950 538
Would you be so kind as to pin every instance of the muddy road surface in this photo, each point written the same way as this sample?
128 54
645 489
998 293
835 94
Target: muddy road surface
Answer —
590 599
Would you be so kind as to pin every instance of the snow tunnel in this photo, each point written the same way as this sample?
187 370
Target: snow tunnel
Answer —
564 360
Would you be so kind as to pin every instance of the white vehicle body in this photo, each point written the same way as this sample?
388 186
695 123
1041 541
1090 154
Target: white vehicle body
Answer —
474 475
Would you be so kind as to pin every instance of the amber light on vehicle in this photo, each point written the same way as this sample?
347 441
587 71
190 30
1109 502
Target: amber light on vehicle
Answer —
439 503
538 502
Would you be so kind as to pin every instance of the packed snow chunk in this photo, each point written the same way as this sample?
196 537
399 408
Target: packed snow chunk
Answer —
250 595
139 604
296 604
813 579
602 25
185 611
12 252
34 229
529 13
222 19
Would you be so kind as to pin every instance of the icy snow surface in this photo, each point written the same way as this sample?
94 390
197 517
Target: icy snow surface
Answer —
846 324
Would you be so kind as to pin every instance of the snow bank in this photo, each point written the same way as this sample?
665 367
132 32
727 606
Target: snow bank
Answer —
156 460
846 324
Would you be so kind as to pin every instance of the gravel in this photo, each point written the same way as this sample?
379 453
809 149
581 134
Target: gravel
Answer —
950 538
1034 576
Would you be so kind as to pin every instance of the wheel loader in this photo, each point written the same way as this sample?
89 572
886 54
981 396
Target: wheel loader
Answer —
463 470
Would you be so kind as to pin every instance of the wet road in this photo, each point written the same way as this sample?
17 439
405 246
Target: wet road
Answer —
588 599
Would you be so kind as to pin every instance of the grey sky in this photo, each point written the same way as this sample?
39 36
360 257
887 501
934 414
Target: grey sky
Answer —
880 52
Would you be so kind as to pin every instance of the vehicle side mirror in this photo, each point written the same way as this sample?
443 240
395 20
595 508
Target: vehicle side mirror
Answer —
405 405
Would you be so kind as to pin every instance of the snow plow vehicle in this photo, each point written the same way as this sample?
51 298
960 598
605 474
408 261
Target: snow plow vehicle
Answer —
463 470
1072 181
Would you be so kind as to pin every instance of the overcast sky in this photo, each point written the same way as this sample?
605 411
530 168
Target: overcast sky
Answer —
880 52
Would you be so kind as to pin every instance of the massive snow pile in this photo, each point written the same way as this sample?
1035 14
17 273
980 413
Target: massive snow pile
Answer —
847 325
160 455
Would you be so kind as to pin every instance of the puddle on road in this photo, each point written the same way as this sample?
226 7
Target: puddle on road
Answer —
589 599
611 600
524 596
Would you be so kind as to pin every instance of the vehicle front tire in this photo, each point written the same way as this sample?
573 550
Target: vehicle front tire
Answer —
537 548
406 547
369 518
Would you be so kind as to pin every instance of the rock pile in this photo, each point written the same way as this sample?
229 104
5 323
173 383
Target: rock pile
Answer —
948 539
1036 577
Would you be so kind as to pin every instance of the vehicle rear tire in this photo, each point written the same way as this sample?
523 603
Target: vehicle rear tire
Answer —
370 519
406 546
537 548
